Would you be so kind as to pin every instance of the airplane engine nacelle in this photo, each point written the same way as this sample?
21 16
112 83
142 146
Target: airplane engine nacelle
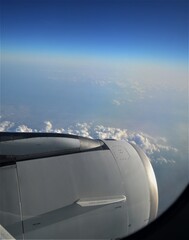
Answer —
59 186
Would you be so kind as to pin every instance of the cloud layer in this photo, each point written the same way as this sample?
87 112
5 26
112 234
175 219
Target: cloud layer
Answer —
156 148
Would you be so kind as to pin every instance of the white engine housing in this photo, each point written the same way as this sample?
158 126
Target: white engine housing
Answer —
58 186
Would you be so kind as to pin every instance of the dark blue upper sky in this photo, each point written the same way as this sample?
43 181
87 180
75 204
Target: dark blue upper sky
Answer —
152 29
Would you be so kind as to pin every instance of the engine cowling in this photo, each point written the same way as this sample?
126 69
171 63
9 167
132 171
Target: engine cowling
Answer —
65 186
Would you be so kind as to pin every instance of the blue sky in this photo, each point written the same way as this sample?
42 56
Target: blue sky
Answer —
144 29
137 50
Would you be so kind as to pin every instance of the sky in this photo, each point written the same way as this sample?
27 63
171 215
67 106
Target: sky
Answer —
145 29
101 68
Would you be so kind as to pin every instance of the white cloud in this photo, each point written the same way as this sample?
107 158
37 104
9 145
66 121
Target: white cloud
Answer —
116 102
48 127
82 129
110 132
162 160
144 142
23 128
5 126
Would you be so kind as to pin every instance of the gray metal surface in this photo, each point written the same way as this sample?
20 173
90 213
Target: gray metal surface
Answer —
38 145
13 148
98 201
4 234
93 189
152 183
10 213
54 183
139 183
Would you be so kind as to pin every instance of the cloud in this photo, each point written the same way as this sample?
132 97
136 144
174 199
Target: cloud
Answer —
82 129
116 102
48 127
162 160
145 143
5 126
150 144
24 128
156 148
110 132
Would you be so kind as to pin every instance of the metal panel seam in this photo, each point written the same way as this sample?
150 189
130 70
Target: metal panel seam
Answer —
20 200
